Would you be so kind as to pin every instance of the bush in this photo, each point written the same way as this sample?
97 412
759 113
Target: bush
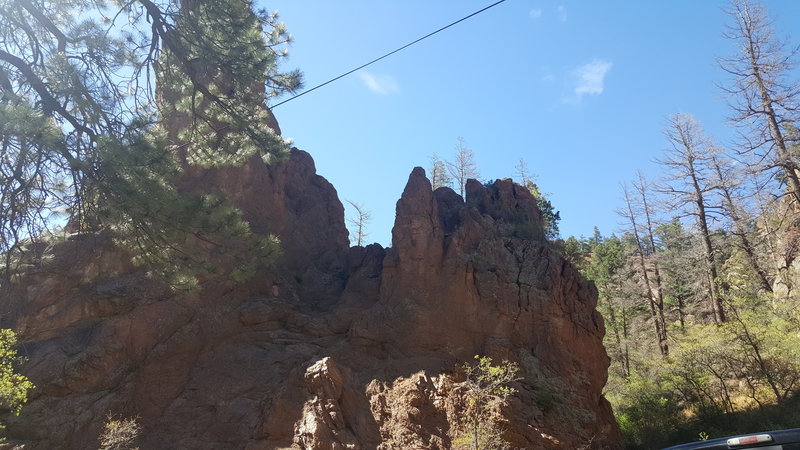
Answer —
119 434
487 386
648 413
14 387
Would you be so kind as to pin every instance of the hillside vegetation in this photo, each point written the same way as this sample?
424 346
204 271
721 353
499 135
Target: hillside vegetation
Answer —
699 290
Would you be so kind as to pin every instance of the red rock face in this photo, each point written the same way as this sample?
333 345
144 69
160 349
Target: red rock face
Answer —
335 347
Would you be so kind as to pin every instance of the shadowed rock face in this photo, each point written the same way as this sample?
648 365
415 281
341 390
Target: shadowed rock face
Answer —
332 348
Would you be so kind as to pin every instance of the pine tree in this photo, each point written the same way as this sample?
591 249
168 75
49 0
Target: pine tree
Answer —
550 216
89 139
607 264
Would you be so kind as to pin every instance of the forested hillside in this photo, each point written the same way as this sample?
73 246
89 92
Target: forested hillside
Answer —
699 289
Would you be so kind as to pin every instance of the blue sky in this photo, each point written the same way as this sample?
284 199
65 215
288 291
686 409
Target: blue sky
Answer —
581 90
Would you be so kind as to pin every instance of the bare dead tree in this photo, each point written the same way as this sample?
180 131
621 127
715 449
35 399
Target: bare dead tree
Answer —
644 189
688 184
358 223
765 99
440 176
727 182
636 208
523 173
463 166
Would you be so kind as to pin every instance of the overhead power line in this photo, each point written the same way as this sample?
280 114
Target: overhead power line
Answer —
386 55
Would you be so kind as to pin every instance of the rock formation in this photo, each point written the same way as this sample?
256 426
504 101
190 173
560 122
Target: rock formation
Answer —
333 347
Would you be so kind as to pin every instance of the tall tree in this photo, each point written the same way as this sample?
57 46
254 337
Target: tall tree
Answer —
463 166
689 185
638 213
765 94
727 182
678 262
606 265
84 136
644 190
214 104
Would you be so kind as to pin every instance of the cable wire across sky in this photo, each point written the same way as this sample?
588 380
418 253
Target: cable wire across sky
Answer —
386 55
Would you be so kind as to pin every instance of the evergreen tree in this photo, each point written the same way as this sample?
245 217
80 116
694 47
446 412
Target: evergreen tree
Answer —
87 141
212 83
741 372
550 216
606 266
681 263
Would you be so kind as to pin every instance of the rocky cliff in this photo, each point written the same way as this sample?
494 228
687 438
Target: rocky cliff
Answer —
333 347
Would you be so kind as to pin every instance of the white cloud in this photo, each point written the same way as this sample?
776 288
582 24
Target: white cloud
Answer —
589 79
562 13
549 78
535 13
379 84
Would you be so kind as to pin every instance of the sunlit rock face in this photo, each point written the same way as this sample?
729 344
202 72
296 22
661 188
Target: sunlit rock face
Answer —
333 347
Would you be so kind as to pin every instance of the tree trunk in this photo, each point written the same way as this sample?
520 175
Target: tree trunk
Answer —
621 351
681 313
741 231
789 167
659 289
656 308
690 157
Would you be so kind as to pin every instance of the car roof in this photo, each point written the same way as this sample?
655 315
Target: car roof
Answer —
791 436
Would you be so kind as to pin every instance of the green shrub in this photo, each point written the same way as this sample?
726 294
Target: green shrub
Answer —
14 387
648 414
487 386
